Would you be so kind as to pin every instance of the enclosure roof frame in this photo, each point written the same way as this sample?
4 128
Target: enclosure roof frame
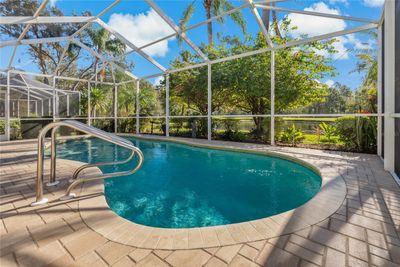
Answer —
89 20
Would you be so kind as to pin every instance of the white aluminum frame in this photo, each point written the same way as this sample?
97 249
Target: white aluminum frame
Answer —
252 5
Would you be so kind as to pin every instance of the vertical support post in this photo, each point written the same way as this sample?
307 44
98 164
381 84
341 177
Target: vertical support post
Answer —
209 98
54 98
7 106
137 106
272 130
389 82
167 104
115 108
79 104
18 108
42 108
379 94
88 106
67 105
36 109
29 101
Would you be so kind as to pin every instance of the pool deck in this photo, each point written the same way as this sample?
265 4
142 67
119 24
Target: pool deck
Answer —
354 221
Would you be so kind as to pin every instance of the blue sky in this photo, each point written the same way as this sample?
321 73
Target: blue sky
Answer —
137 22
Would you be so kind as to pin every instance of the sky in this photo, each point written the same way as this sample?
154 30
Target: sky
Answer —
140 24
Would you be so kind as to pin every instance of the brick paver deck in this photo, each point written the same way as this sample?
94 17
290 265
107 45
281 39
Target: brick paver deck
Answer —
364 231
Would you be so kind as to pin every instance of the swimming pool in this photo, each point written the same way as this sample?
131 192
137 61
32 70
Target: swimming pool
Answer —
181 186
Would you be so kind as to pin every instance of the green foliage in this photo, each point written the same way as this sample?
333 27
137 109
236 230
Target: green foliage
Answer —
212 8
151 99
243 86
98 103
15 128
328 130
291 135
127 125
358 133
231 129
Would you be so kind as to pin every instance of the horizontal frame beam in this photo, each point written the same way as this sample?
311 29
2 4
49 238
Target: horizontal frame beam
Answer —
220 116
45 20
34 41
319 14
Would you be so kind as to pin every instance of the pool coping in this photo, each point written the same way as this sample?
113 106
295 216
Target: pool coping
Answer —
113 227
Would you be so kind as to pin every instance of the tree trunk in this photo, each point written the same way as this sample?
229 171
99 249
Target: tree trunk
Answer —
265 17
207 6
275 20
259 127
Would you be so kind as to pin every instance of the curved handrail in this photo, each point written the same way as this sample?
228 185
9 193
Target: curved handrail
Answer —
91 165
68 193
112 138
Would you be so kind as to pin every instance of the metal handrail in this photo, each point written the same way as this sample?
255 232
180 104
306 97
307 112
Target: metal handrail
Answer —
91 165
112 138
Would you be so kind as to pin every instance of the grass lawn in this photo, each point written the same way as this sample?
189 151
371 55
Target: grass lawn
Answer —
329 119
313 139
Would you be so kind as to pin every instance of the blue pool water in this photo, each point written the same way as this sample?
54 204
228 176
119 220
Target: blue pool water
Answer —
181 186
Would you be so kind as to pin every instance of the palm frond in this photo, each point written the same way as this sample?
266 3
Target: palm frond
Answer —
186 16
221 6
217 8
237 17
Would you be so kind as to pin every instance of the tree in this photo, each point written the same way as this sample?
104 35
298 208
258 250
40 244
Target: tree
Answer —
150 99
46 55
366 95
98 100
265 17
212 8
100 41
338 99
243 85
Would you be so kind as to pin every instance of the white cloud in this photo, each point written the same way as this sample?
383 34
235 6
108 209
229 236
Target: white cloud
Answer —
316 25
329 83
142 29
357 43
373 3
344 45
313 26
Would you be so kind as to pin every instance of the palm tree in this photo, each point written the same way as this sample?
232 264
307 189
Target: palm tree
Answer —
126 100
102 43
368 63
98 101
213 8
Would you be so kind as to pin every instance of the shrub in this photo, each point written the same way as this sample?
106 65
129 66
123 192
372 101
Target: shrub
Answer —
358 133
231 127
291 136
15 129
328 130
